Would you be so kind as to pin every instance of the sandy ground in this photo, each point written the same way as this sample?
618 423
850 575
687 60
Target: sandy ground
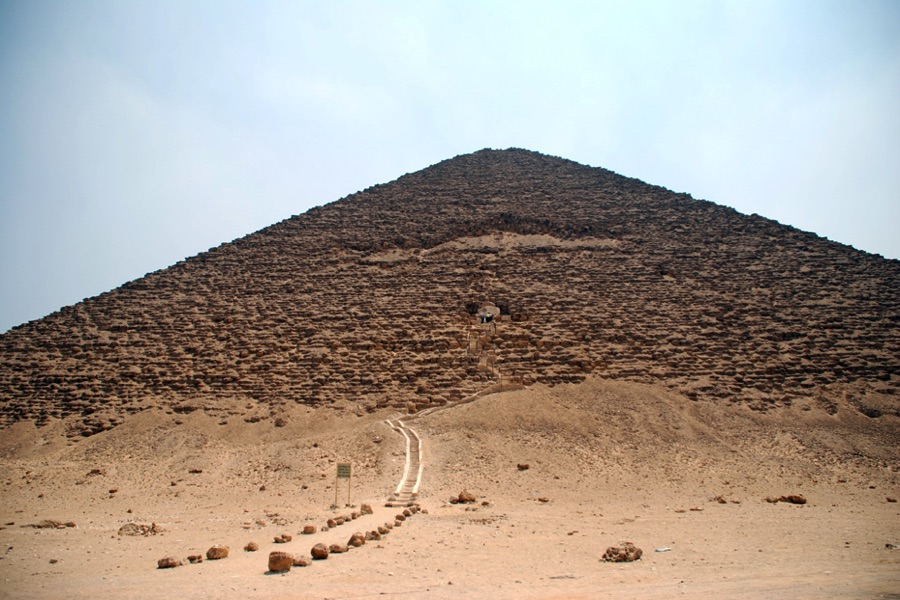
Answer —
607 462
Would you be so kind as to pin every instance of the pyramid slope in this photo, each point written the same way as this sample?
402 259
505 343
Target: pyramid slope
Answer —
369 301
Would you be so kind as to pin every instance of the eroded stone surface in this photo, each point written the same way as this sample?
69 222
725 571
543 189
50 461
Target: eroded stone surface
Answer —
374 299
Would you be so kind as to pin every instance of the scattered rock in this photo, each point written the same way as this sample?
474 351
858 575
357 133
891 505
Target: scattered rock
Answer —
302 561
284 538
357 540
168 563
625 552
792 499
338 548
280 562
251 547
51 524
217 552
366 509
135 529
319 552
373 536
465 497
523 466
308 529
195 558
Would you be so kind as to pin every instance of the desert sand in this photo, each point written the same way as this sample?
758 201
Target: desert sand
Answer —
607 462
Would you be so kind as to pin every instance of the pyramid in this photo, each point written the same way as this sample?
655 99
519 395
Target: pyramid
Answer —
377 301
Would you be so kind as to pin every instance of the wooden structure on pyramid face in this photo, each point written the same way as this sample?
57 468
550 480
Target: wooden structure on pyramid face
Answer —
591 272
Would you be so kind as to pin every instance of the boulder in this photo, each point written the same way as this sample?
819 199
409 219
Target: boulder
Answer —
217 552
357 540
168 563
319 552
624 552
280 562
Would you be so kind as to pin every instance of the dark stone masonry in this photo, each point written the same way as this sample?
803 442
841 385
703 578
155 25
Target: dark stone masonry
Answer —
371 300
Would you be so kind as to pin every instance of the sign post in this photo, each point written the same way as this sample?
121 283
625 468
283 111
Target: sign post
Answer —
343 472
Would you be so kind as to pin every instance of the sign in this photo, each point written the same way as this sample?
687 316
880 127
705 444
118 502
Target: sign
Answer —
343 471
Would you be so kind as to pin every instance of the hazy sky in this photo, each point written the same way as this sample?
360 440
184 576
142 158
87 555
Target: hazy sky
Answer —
136 133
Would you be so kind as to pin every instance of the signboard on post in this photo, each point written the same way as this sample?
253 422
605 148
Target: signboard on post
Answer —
343 472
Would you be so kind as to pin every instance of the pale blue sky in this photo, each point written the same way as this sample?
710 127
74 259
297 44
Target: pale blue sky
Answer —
134 133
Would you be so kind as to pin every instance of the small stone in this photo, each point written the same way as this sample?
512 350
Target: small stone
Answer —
625 552
308 529
195 558
302 561
280 562
365 509
338 548
319 552
251 547
466 497
168 563
217 552
357 540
